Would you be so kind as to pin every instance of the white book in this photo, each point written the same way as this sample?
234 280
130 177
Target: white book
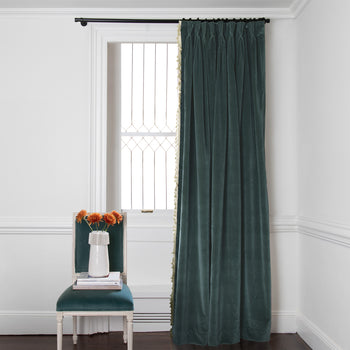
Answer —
113 278
98 286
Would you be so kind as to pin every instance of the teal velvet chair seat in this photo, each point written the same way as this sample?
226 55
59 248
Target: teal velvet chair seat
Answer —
101 303
95 300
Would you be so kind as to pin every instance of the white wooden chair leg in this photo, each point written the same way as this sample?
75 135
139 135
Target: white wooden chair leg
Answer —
59 330
130 330
75 329
125 330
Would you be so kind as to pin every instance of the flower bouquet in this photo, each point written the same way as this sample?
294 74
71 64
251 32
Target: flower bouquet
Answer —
99 239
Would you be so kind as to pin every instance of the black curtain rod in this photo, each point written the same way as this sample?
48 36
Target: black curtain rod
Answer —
84 21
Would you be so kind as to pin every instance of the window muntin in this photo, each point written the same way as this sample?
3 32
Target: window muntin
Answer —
148 122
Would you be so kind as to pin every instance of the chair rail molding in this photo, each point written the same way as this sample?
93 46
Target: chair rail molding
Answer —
159 221
283 224
36 225
337 233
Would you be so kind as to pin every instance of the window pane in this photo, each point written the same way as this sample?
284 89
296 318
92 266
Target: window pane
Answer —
148 105
126 91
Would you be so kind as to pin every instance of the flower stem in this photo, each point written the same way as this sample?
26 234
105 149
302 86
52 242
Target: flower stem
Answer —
88 223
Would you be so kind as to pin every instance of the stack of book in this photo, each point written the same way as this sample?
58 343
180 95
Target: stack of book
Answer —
112 281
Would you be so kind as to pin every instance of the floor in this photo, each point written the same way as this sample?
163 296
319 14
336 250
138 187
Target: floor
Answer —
142 341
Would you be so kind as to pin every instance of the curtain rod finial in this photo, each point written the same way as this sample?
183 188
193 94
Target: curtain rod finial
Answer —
82 21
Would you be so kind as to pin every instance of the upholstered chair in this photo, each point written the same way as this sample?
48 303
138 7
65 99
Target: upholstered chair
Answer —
107 303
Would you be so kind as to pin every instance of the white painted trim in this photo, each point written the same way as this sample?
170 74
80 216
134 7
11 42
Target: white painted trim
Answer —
152 322
283 224
314 336
336 233
283 321
27 322
137 221
35 225
101 35
44 322
91 200
63 225
297 7
98 121
152 317
171 13
6 313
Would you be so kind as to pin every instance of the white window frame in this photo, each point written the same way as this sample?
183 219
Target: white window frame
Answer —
101 35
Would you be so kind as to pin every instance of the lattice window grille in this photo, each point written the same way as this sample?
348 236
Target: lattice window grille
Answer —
148 122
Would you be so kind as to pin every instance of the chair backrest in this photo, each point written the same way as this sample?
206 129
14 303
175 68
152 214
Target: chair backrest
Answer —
116 247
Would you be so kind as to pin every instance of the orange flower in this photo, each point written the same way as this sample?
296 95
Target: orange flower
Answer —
94 218
117 216
109 219
81 215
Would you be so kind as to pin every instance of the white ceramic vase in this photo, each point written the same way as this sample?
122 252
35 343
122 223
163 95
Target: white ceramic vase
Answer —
99 259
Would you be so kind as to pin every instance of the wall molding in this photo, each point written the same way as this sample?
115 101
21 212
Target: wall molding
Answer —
44 322
332 232
137 222
283 321
152 317
336 233
171 13
297 7
314 336
27 322
283 224
35 225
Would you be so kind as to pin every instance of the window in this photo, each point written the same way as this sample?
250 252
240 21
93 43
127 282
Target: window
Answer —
142 103
148 121
105 185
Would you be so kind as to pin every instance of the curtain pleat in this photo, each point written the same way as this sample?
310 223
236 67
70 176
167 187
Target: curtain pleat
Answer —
222 258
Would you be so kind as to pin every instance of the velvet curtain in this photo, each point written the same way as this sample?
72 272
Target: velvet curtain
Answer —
222 260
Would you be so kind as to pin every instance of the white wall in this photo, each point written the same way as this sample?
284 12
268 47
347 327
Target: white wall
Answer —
281 169
324 173
45 111
281 125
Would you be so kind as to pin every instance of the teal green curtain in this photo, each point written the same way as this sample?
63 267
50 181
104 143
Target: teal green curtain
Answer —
222 258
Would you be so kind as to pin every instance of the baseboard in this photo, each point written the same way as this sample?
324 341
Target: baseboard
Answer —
152 308
43 322
283 322
314 336
29 322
